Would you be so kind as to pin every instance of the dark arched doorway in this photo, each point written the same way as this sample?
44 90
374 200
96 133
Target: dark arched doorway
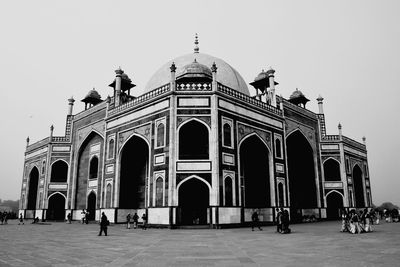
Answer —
332 170
56 209
193 202
193 141
90 148
280 195
302 187
334 202
59 172
358 187
254 168
91 206
133 174
33 186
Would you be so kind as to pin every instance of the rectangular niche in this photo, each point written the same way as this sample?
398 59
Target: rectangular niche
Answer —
159 159
193 166
228 159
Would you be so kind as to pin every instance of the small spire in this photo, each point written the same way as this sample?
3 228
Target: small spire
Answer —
173 67
214 67
196 44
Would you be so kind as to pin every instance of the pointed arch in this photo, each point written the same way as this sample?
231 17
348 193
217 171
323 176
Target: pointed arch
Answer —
56 206
59 171
332 169
88 136
302 174
87 149
193 129
303 134
33 188
256 166
358 186
193 177
334 203
54 193
133 162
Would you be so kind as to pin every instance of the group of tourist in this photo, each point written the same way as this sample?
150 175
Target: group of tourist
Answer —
135 219
357 222
282 221
4 216
85 216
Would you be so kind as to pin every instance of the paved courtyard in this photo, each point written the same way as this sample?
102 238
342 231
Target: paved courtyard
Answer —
313 244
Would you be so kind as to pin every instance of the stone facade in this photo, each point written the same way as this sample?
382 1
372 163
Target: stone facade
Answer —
194 151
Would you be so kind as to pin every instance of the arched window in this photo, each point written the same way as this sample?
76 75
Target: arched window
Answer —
59 172
280 195
278 148
108 196
332 170
93 168
111 148
43 167
159 192
160 135
227 135
193 141
228 192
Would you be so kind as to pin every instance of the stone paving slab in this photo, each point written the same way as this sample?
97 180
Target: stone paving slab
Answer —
313 244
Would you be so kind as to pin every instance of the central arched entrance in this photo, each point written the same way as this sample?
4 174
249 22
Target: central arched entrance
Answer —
358 187
33 186
133 174
334 202
193 200
56 209
302 187
91 206
254 168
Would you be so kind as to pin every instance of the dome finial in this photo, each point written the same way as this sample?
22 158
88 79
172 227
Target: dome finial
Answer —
196 44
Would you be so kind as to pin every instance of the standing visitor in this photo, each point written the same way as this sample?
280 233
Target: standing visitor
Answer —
144 218
255 221
83 214
135 220
21 219
69 217
285 222
355 220
345 226
103 224
128 221
278 220
87 217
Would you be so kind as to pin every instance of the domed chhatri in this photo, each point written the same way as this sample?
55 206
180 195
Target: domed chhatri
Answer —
227 75
195 70
297 98
92 98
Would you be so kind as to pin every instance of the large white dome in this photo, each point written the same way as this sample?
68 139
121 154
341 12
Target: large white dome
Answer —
225 73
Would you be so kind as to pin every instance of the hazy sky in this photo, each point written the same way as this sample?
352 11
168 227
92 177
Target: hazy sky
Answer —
347 51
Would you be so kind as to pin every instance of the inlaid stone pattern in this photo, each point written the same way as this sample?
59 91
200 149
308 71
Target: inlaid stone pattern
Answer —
182 119
244 130
83 133
144 131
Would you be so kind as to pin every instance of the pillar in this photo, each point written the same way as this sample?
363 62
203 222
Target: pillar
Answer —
320 104
70 105
271 76
118 81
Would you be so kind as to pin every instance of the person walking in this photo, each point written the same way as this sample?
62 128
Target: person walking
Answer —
285 222
128 221
144 218
21 219
255 221
69 217
135 220
103 224
83 213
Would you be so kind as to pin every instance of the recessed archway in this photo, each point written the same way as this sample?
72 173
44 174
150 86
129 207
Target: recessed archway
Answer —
334 202
332 170
91 205
92 145
33 186
56 208
358 187
193 198
193 140
301 171
59 172
254 168
133 173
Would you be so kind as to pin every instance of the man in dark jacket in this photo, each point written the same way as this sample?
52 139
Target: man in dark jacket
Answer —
103 224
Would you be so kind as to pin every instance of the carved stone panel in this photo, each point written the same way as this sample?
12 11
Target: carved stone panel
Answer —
245 130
